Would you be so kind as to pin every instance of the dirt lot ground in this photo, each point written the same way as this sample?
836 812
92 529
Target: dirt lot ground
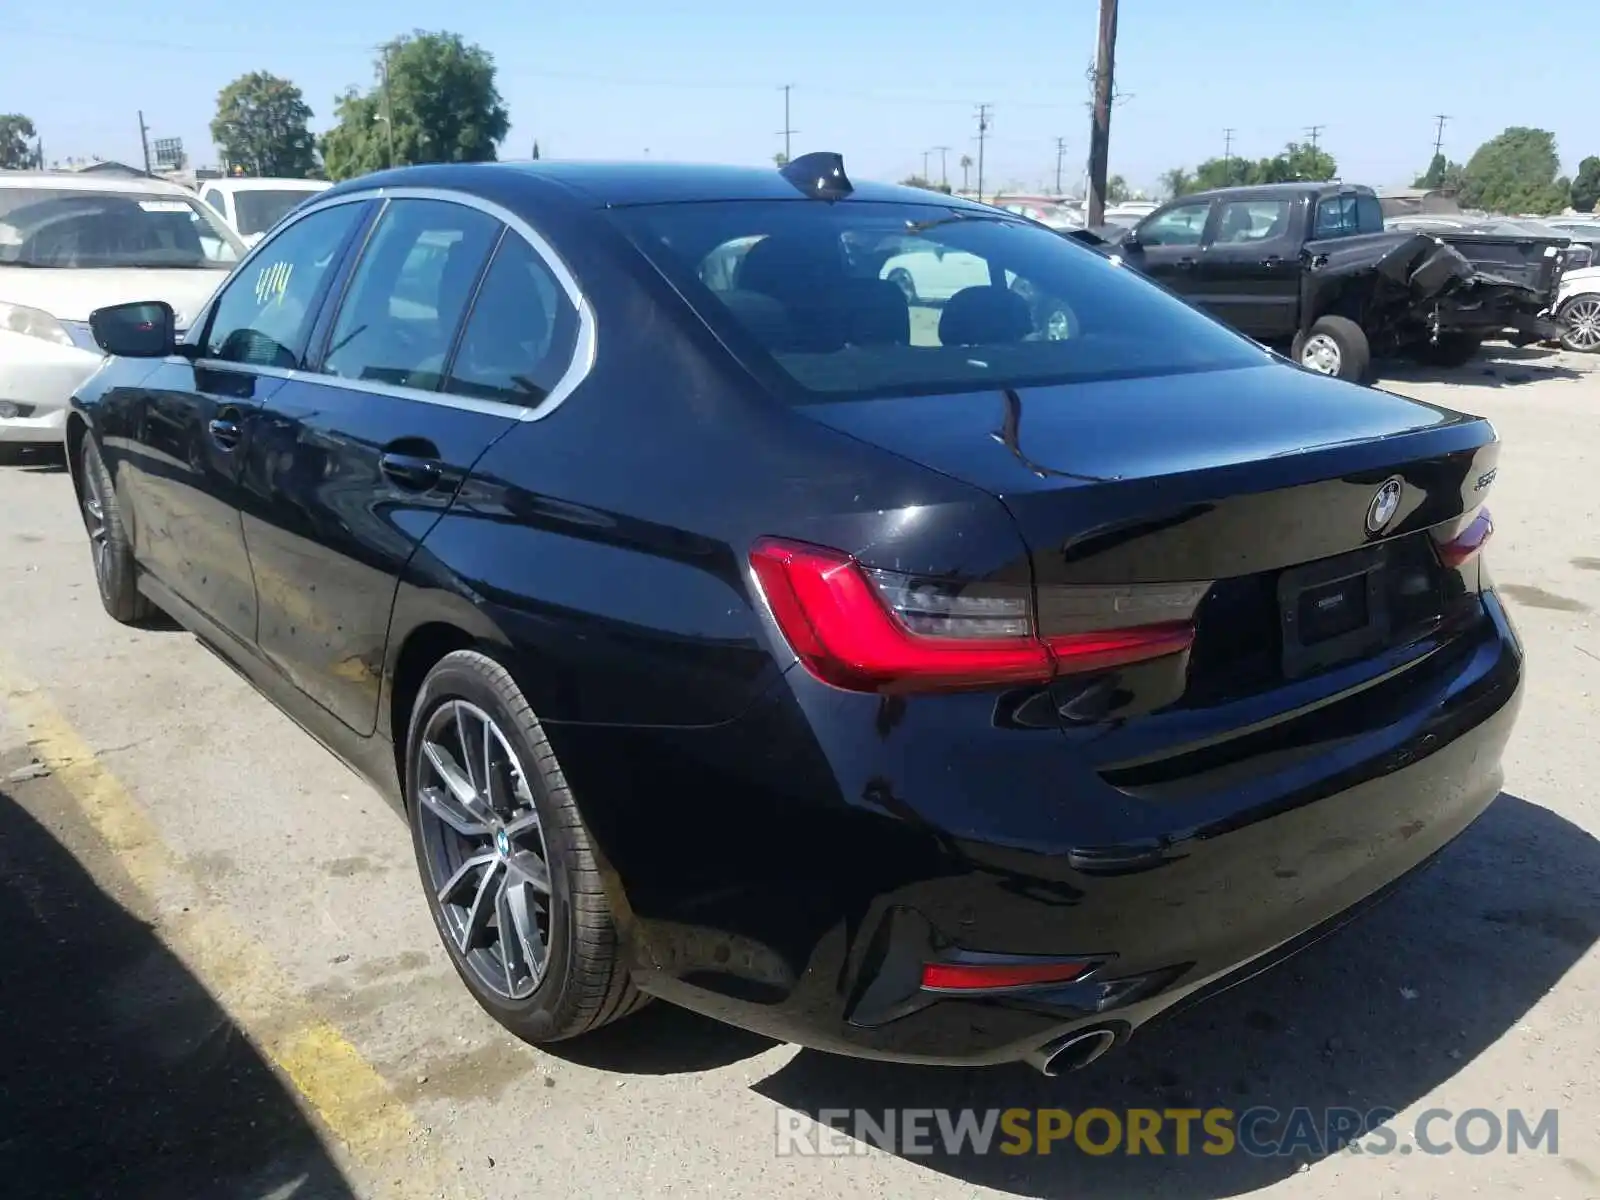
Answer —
219 979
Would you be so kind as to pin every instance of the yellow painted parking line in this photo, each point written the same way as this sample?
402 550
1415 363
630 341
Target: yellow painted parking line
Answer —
344 1090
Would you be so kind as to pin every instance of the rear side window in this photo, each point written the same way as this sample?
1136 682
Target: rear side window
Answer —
859 299
522 332
264 314
1347 215
409 293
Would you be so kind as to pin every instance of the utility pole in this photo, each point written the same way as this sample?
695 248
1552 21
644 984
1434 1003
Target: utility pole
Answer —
1438 137
926 154
144 141
1227 156
1313 132
388 106
1100 127
1061 150
944 170
786 131
983 133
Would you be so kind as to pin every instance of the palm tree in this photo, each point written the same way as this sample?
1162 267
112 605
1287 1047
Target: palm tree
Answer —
966 165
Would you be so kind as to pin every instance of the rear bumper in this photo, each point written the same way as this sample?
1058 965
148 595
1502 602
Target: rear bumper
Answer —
795 885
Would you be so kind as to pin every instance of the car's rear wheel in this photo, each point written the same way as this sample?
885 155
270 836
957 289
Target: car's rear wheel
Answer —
1580 324
507 865
110 549
1334 346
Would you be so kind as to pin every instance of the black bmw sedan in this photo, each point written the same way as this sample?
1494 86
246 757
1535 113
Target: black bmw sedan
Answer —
958 674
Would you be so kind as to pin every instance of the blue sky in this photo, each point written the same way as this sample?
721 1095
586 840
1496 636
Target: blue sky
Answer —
879 82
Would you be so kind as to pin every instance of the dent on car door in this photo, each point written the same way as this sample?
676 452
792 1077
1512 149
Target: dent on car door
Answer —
190 438
376 440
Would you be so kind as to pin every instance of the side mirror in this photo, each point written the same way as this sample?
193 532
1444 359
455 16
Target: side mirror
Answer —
143 329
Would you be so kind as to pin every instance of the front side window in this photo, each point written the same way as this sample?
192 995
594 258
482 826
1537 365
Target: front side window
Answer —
264 314
1180 226
1240 222
409 293
861 299
520 337
79 229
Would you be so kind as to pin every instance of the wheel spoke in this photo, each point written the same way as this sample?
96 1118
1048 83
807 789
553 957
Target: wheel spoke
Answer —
522 929
457 780
468 753
446 807
452 886
483 907
527 821
528 868
494 776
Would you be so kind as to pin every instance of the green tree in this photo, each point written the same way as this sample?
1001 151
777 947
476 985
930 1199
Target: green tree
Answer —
1586 187
780 159
1117 190
442 106
1177 182
18 143
1515 172
261 125
1441 175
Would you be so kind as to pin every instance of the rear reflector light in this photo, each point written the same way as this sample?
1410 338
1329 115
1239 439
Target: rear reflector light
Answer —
868 630
1467 544
998 976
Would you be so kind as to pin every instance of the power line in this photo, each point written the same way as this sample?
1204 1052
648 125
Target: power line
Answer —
1438 137
983 133
787 131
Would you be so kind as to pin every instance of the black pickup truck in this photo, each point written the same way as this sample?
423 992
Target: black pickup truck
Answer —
1308 267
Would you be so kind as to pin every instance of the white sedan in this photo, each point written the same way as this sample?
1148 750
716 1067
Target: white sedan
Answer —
70 244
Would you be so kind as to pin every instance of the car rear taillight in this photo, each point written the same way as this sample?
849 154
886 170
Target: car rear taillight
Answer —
868 630
1465 545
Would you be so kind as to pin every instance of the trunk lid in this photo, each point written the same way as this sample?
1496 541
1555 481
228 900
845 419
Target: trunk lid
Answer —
1233 479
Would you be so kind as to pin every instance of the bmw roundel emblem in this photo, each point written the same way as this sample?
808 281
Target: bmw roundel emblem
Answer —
1384 505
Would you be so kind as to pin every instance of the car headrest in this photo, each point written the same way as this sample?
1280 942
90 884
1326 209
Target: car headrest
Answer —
980 316
877 313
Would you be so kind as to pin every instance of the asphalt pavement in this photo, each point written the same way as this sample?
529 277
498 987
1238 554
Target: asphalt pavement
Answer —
219 979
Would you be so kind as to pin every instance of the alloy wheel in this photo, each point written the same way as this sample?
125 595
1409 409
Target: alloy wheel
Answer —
1321 354
484 849
1583 324
94 519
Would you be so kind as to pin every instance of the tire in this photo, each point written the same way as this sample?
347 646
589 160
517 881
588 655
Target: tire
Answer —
584 983
110 549
901 278
1334 346
1580 324
1451 350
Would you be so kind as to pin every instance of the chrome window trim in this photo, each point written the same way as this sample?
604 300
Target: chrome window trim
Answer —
584 345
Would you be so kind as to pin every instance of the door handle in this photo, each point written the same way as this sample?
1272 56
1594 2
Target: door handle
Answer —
413 472
224 428
1272 260
1186 264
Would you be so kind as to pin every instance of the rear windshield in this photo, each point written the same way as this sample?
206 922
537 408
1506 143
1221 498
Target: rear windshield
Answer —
858 299
71 228
259 210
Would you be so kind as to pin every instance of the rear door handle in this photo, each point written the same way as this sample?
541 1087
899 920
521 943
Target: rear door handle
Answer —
224 428
1272 260
1186 264
413 472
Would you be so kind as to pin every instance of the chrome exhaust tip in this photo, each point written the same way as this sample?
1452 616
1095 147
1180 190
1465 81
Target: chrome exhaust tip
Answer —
1073 1052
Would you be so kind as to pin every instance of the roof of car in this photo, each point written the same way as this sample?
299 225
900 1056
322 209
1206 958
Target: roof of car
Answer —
1267 190
73 181
603 184
252 183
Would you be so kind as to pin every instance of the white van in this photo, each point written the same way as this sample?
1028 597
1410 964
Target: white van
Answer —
253 206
